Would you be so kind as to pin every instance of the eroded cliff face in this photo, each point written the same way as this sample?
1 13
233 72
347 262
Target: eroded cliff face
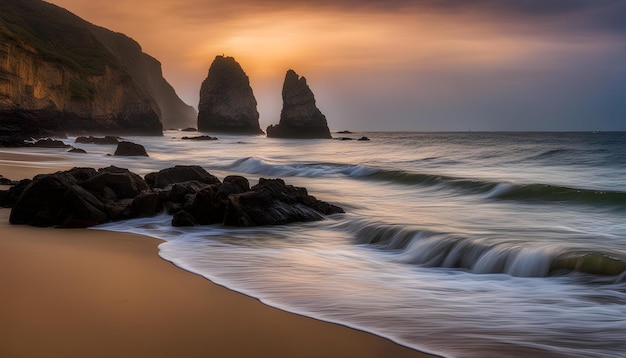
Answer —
110 102
300 117
227 103
147 71
59 73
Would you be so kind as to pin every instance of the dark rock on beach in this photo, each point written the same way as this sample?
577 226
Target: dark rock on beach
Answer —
183 173
300 117
83 197
129 149
77 151
227 103
57 199
5 181
363 139
8 198
115 183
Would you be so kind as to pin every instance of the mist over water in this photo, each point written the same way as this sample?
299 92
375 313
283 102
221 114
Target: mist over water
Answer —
462 244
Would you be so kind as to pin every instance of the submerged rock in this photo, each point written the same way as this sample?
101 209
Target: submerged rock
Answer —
227 103
201 137
77 150
300 117
50 143
98 140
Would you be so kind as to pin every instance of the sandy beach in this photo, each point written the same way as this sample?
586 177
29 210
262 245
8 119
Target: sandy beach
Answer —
89 293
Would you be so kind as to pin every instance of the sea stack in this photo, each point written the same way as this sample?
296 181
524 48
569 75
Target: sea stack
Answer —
227 104
300 117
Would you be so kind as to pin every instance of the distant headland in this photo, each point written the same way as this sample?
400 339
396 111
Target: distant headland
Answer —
61 74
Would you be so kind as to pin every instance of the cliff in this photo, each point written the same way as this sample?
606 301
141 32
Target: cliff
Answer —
300 117
61 74
227 103
146 70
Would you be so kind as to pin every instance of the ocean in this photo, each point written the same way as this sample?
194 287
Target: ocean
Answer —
459 244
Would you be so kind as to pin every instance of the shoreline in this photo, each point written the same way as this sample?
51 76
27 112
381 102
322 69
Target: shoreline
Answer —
80 292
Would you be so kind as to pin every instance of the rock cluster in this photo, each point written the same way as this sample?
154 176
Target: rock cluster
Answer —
300 117
227 103
83 197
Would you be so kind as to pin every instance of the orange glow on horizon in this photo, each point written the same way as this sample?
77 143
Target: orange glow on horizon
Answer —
386 52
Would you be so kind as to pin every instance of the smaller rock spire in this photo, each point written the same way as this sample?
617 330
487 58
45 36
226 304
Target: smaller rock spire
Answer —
300 117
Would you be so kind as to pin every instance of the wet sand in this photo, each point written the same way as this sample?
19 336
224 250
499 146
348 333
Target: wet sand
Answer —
91 293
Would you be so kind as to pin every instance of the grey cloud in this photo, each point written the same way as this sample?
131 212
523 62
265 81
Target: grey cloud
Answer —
555 15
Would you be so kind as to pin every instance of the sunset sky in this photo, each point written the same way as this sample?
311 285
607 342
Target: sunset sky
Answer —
398 65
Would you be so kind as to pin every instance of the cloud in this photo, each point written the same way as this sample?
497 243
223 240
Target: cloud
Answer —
430 64
570 15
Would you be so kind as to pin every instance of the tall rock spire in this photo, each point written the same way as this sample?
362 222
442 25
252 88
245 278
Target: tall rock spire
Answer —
227 103
300 117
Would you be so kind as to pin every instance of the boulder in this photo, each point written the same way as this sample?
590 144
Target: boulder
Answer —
237 183
5 181
77 150
130 149
183 218
150 178
363 139
57 200
8 198
300 117
146 204
272 202
190 129
227 103
207 208
180 195
116 183
81 209
183 173
82 174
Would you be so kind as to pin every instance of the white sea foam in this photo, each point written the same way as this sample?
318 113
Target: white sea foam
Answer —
433 267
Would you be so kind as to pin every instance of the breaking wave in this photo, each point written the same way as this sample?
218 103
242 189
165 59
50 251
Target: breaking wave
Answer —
481 256
488 189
